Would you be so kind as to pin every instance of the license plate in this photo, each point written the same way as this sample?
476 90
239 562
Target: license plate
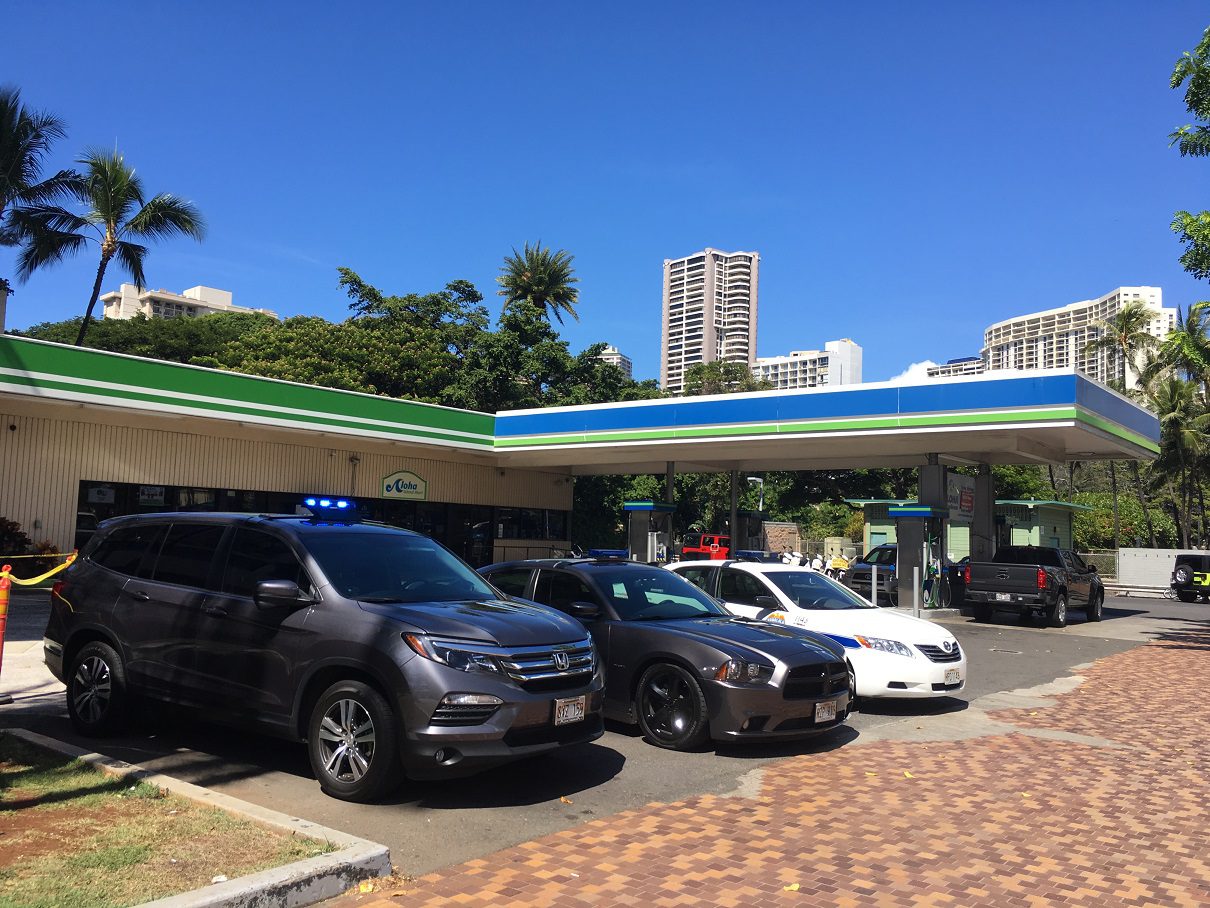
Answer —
570 710
825 712
952 676
1004 597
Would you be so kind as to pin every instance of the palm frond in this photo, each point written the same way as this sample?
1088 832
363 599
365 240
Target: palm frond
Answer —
46 247
130 256
167 216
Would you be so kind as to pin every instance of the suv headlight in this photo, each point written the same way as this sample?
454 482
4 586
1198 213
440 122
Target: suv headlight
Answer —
464 660
886 646
741 672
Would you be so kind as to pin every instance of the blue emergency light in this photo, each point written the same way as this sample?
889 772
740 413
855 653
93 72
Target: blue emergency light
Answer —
328 508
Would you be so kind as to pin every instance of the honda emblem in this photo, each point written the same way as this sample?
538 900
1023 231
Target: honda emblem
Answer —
562 660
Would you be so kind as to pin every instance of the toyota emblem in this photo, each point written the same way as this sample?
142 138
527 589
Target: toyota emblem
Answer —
562 661
948 646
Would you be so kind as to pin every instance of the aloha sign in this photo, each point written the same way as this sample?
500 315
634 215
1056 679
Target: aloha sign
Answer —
405 484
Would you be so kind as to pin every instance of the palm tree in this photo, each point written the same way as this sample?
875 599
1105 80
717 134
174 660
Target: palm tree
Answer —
1186 349
1123 337
118 211
541 278
25 140
1184 427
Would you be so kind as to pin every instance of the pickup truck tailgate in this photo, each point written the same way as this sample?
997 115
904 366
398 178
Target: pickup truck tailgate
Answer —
1005 578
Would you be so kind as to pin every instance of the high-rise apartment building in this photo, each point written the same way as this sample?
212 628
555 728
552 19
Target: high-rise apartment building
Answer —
839 363
129 301
709 312
1056 338
616 357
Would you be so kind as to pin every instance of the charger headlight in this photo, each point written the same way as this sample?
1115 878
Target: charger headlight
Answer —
464 660
886 646
740 672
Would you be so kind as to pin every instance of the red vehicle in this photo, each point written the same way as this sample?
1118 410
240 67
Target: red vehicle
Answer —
706 547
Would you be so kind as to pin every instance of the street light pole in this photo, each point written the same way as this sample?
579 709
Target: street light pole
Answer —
760 482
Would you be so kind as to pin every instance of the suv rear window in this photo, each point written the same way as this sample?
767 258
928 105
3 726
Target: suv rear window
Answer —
124 549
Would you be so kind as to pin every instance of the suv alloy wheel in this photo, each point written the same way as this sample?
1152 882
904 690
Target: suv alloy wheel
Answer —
96 690
352 742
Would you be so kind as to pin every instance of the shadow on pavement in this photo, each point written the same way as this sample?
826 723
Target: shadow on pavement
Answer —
536 780
828 741
890 706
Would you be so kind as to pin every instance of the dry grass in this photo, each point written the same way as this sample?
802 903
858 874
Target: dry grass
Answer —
71 835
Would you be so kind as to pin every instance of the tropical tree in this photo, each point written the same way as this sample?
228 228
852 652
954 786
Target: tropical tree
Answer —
541 278
718 377
1184 432
1186 349
26 137
1123 337
118 212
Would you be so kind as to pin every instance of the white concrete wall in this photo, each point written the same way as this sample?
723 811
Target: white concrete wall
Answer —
1146 567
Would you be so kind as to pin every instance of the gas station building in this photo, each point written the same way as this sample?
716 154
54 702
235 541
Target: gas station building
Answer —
86 434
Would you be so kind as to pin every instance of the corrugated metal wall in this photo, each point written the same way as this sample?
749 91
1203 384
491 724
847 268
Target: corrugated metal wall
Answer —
43 460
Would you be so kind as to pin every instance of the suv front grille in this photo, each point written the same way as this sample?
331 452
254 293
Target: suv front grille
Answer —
812 682
535 668
937 654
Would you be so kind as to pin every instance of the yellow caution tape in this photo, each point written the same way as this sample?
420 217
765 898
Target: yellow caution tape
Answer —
31 581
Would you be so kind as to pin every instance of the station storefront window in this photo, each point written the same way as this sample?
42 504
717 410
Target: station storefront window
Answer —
467 530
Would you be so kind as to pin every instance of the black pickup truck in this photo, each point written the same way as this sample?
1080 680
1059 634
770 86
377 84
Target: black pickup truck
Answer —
1034 579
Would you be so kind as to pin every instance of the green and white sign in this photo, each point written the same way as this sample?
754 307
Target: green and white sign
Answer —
405 484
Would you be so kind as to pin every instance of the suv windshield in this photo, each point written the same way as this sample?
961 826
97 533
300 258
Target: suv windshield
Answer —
811 590
654 594
388 567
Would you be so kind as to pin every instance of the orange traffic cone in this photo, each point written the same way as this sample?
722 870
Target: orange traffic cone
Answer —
5 583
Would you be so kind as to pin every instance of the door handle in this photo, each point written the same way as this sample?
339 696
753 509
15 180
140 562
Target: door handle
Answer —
217 610
140 595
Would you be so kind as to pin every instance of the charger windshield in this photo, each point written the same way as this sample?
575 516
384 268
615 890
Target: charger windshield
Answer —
384 567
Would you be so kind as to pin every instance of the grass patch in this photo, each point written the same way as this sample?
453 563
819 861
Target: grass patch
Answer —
73 835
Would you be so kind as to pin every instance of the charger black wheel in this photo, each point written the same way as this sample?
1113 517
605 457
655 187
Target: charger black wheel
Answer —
353 742
853 704
97 698
671 708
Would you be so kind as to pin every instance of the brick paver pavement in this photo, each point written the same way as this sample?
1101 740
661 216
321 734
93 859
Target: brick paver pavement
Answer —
1118 817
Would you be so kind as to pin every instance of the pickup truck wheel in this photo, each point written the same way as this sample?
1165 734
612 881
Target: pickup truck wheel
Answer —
1096 606
1057 613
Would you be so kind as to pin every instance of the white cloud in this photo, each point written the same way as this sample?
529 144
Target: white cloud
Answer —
916 372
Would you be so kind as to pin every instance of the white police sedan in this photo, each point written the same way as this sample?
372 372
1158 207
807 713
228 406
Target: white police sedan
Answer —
891 654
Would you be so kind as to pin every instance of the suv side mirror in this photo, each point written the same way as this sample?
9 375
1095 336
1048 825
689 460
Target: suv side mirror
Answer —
274 593
584 610
766 602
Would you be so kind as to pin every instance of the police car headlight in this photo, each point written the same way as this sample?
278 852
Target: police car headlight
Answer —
886 646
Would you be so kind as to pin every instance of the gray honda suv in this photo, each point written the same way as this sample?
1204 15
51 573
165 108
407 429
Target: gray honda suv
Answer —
378 647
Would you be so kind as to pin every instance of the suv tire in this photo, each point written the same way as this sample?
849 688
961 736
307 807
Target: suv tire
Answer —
1057 613
671 708
97 696
352 740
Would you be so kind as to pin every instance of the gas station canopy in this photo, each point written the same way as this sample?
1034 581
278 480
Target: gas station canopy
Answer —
1047 416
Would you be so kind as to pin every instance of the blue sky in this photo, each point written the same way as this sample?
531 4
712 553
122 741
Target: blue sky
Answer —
908 172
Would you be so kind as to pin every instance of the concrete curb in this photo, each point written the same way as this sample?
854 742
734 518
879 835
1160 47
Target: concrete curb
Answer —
301 883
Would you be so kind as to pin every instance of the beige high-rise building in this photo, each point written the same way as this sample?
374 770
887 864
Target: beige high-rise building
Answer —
709 312
1057 338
